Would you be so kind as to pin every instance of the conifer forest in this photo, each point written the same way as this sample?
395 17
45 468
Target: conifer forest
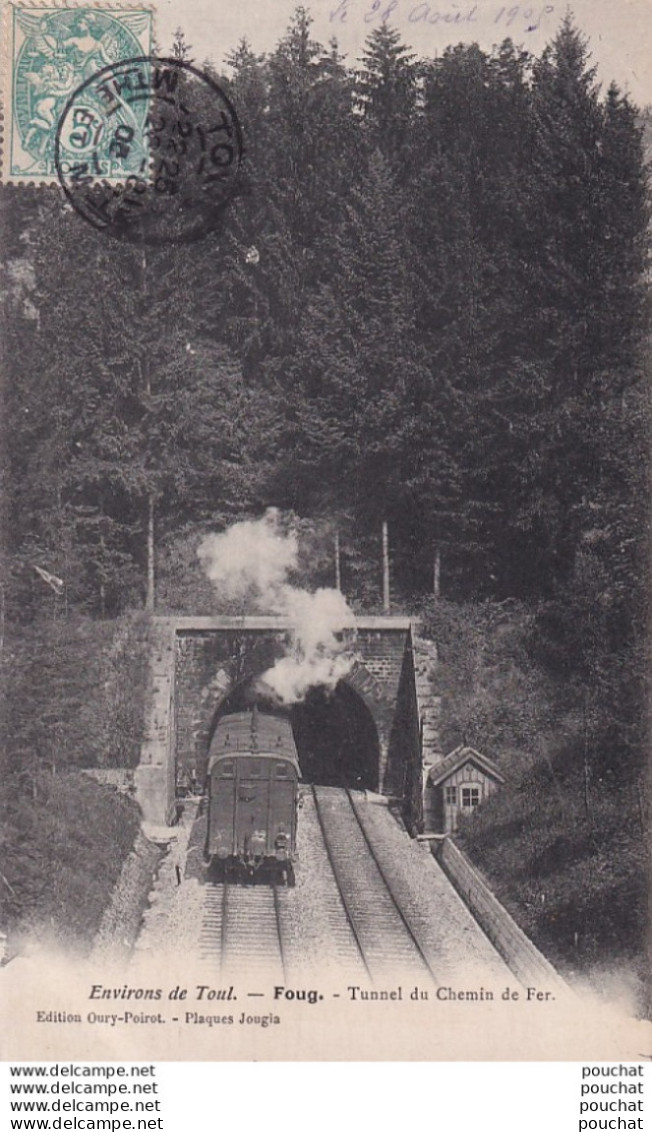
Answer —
427 306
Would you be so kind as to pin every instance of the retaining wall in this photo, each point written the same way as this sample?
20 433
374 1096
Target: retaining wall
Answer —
531 968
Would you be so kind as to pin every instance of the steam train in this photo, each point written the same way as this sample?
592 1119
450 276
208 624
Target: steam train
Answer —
252 787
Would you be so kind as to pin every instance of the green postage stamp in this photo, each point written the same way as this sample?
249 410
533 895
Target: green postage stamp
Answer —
50 52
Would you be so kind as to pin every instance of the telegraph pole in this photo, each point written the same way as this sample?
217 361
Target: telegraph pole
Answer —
338 575
436 576
385 569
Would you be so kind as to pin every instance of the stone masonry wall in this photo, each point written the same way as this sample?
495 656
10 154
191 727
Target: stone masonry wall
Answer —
209 664
198 661
211 660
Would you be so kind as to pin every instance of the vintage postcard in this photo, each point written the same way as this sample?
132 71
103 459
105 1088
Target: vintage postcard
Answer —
325 531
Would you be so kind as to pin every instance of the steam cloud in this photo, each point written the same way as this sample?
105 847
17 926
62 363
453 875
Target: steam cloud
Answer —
252 561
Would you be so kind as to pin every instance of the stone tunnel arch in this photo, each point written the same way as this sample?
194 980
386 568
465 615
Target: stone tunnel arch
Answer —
197 662
336 736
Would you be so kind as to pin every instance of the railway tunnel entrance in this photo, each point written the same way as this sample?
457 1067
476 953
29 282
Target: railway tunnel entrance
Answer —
371 733
336 737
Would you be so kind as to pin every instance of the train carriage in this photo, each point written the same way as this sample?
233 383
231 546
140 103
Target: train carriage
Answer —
253 776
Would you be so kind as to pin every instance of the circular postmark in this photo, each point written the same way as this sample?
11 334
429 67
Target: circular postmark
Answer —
149 150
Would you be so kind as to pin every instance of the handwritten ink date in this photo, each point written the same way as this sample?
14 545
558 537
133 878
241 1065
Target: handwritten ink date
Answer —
429 12
531 16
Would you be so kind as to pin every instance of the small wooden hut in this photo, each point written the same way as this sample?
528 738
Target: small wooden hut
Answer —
458 785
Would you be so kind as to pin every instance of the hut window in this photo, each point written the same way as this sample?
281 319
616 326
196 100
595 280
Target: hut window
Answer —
470 797
450 795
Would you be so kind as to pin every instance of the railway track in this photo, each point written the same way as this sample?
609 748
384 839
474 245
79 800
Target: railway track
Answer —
385 939
331 924
242 930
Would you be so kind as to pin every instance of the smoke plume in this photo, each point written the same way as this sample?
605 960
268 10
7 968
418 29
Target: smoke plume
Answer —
252 562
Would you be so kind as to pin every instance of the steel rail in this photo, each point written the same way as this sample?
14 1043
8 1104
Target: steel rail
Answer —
331 861
403 935
388 886
279 932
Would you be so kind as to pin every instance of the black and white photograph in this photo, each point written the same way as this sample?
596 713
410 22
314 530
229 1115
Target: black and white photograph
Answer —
325 531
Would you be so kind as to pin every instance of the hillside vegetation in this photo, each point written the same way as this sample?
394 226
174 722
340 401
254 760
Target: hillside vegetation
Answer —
73 696
565 843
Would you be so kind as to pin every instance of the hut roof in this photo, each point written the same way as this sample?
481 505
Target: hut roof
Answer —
457 758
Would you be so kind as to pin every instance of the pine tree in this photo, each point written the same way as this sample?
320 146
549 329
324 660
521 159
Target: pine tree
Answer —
181 48
360 411
467 227
569 256
301 164
122 416
386 92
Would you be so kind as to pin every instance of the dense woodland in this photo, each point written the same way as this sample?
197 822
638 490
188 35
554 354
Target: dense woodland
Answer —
427 305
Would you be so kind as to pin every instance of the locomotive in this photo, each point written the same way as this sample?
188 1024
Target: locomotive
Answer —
252 787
